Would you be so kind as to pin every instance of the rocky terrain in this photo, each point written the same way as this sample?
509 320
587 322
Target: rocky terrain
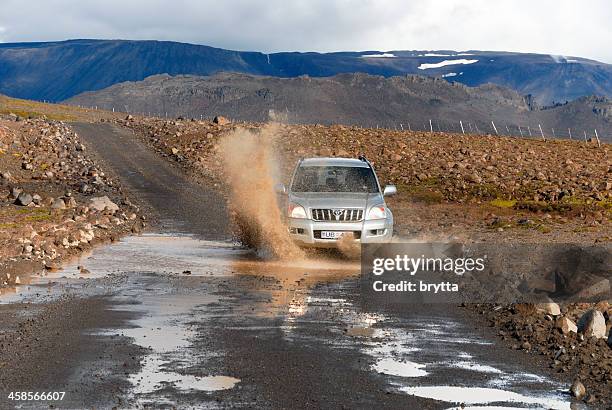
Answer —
55 202
55 71
407 102
480 188
574 339
513 185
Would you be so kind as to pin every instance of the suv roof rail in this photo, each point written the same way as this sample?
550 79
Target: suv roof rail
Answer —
362 158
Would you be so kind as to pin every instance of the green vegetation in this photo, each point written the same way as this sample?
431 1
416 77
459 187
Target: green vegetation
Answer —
426 191
503 203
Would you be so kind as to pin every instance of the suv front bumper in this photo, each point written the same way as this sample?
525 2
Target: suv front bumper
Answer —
306 232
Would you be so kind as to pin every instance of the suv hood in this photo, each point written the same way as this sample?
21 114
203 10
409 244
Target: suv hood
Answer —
316 200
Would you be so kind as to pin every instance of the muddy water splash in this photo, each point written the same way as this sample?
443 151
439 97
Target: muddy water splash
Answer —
251 166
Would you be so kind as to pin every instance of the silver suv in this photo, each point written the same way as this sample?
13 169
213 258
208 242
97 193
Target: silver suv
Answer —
330 197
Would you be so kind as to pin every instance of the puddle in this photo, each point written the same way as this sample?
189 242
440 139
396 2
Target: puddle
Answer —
159 253
483 396
163 328
403 368
150 379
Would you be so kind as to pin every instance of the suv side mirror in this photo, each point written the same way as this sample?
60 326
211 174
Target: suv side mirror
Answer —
389 190
280 189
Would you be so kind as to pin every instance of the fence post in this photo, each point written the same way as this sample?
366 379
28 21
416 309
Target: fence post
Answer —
520 130
529 130
542 132
553 130
495 128
430 126
585 137
570 132
597 136
462 130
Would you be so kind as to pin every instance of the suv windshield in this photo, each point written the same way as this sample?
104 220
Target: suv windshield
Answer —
334 179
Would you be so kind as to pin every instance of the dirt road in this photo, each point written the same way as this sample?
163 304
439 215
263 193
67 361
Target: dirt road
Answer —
182 317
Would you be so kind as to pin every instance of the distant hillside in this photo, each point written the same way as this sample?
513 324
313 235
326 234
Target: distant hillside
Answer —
59 70
360 99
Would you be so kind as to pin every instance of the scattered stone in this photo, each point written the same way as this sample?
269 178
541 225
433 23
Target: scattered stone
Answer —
24 199
220 120
566 325
58 203
592 324
578 390
550 308
103 203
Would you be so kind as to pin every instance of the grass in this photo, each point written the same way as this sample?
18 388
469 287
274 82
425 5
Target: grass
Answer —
39 217
503 203
425 191
8 225
36 114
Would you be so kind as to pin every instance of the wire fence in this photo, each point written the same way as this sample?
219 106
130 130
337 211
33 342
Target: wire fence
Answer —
527 129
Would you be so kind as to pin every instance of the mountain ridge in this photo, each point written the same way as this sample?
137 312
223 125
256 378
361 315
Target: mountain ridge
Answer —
351 99
59 70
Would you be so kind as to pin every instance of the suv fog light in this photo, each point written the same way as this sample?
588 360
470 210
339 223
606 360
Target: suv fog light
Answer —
296 231
377 232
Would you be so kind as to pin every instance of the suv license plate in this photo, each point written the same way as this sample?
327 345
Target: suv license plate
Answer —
331 234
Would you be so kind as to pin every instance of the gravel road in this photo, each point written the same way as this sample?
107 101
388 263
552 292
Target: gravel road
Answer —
183 317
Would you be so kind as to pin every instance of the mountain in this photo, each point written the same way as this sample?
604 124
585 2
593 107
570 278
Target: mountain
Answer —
56 71
358 99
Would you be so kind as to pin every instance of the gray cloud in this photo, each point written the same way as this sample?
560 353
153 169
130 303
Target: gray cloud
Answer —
563 27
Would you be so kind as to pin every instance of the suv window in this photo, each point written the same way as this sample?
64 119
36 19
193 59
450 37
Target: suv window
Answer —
334 179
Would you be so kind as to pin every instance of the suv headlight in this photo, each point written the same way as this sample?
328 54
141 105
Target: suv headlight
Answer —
296 211
377 212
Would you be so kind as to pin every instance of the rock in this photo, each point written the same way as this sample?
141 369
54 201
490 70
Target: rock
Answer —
58 203
592 324
220 120
37 199
102 203
475 178
129 117
174 151
550 308
15 193
6 176
566 325
27 166
23 199
578 390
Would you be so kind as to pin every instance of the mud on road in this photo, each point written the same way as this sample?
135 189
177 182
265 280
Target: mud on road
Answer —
183 317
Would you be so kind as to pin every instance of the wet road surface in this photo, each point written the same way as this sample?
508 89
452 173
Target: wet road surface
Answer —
185 318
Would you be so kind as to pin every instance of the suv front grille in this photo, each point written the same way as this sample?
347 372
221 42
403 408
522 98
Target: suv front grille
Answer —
338 214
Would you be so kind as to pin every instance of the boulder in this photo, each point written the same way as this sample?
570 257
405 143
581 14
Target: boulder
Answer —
578 390
566 325
592 324
220 120
58 203
550 308
23 199
102 203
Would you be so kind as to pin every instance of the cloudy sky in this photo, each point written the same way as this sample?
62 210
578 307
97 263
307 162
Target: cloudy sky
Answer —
564 27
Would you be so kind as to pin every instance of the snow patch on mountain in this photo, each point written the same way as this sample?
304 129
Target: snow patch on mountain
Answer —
444 63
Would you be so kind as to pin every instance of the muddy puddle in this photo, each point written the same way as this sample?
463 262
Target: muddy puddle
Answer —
163 328
168 282
415 355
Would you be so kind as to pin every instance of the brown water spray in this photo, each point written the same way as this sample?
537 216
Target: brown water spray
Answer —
252 170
